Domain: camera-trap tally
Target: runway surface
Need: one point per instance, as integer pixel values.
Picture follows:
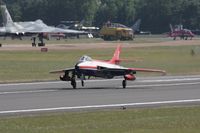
(58, 96)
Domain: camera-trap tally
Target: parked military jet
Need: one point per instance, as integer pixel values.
(29, 27)
(76, 25)
(178, 31)
(136, 28)
(86, 66)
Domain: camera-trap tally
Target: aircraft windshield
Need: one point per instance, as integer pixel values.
(115, 25)
(85, 58)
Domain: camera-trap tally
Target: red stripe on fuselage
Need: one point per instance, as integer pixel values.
(88, 67)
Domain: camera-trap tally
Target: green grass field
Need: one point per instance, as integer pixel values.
(156, 120)
(35, 65)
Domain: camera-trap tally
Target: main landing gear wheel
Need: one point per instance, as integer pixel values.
(82, 83)
(124, 83)
(73, 83)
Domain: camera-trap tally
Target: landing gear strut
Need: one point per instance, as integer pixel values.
(82, 83)
(73, 83)
(82, 77)
(124, 83)
(41, 38)
(73, 80)
(33, 43)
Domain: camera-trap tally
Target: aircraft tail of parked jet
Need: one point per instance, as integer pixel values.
(171, 27)
(136, 26)
(7, 20)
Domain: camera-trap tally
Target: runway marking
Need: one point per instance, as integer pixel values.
(164, 85)
(170, 80)
(33, 83)
(54, 82)
(99, 106)
(184, 78)
(24, 92)
(130, 86)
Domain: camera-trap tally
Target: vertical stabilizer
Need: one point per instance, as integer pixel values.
(171, 28)
(7, 20)
(136, 26)
(115, 59)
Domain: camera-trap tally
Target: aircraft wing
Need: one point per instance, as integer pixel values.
(106, 69)
(39, 26)
(63, 70)
(36, 28)
(148, 70)
(129, 70)
(2, 29)
(51, 30)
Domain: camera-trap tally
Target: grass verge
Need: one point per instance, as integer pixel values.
(35, 65)
(157, 120)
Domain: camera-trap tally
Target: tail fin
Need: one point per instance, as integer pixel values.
(82, 22)
(6, 15)
(136, 26)
(171, 28)
(115, 59)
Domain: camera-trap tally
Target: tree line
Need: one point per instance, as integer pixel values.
(156, 15)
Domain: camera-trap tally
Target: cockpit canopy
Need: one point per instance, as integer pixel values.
(85, 58)
(115, 25)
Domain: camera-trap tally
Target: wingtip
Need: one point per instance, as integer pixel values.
(54, 72)
(164, 73)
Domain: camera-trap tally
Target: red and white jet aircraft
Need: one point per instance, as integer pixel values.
(86, 66)
(178, 31)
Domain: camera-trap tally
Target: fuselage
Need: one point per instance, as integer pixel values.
(93, 67)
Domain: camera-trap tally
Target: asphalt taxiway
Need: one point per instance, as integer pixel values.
(58, 96)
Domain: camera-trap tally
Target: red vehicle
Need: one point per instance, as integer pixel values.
(178, 31)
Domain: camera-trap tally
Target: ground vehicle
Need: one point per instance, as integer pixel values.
(116, 31)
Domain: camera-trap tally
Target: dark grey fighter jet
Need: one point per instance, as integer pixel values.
(37, 27)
